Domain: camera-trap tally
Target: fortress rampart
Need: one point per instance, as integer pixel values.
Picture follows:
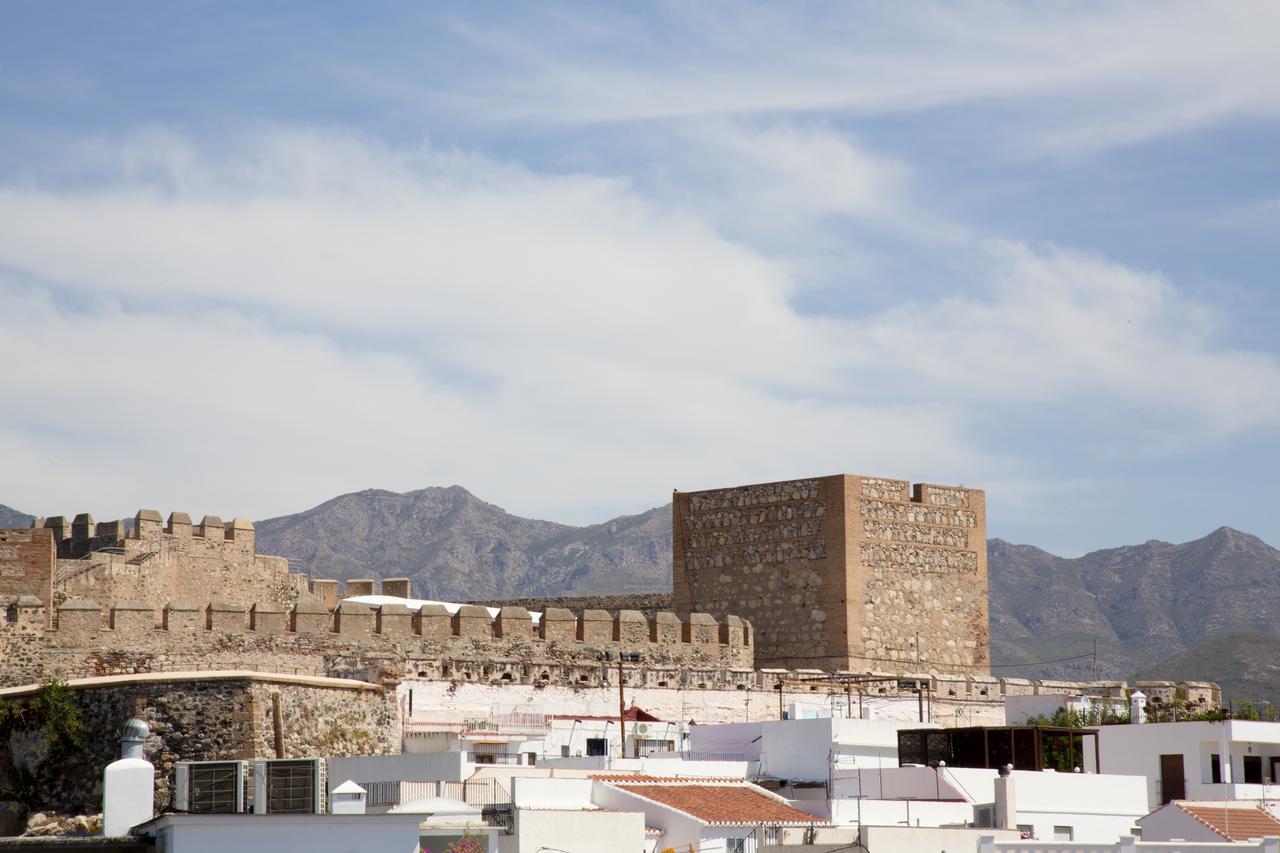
(84, 639)
(155, 561)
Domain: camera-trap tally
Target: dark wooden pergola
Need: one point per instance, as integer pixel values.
(992, 746)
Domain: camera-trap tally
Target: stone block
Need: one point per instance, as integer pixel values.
(474, 621)
(395, 620)
(631, 628)
(666, 629)
(327, 591)
(226, 617)
(182, 616)
(397, 587)
(701, 629)
(79, 617)
(595, 626)
(353, 619)
(132, 618)
(82, 526)
(359, 586)
(240, 531)
(147, 524)
(558, 624)
(733, 632)
(179, 525)
(433, 621)
(109, 529)
(268, 618)
(310, 618)
(212, 529)
(514, 622)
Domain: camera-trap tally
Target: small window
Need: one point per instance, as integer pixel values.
(597, 746)
(1215, 768)
(564, 750)
(735, 845)
(1063, 833)
(531, 758)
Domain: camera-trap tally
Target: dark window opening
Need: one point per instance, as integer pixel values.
(597, 746)
(1253, 769)
(1215, 768)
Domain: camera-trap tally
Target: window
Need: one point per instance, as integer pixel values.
(597, 746)
(1253, 769)
(735, 845)
(1063, 833)
(1215, 768)
(531, 758)
(564, 750)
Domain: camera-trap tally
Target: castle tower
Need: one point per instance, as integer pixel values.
(841, 573)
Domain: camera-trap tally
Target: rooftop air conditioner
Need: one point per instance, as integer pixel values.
(209, 787)
(642, 728)
(288, 786)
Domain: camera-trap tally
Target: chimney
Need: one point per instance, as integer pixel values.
(347, 798)
(1006, 805)
(1137, 703)
(128, 785)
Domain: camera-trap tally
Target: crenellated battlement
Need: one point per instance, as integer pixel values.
(82, 535)
(85, 620)
(86, 638)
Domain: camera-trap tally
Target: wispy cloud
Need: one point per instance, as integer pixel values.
(1079, 77)
(314, 312)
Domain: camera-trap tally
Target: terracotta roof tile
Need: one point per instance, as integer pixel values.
(1233, 823)
(718, 802)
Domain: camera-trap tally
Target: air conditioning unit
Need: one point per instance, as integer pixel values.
(209, 787)
(642, 728)
(288, 786)
(984, 816)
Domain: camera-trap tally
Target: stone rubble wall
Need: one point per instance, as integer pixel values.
(357, 640)
(157, 561)
(204, 718)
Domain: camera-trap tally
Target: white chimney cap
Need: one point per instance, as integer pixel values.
(349, 787)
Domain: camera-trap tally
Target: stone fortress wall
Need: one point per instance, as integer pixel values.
(81, 638)
(157, 561)
(841, 572)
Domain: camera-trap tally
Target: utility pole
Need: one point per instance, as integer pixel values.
(622, 709)
(780, 714)
(1095, 658)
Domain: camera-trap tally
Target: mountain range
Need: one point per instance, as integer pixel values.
(1203, 610)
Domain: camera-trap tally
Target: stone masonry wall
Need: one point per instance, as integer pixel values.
(26, 562)
(841, 572)
(157, 562)
(224, 716)
(356, 640)
(773, 552)
(919, 558)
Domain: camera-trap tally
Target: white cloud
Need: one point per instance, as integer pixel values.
(1081, 76)
(314, 314)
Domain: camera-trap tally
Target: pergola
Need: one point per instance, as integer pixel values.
(1025, 747)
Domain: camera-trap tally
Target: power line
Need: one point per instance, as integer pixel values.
(951, 665)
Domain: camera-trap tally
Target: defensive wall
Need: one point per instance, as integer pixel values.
(841, 572)
(196, 716)
(152, 560)
(82, 638)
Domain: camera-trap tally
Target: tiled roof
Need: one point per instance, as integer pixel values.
(644, 779)
(1233, 823)
(725, 802)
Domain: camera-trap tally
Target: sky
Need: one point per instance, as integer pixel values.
(572, 257)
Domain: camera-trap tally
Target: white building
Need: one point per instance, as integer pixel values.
(803, 750)
(1227, 760)
(1047, 805)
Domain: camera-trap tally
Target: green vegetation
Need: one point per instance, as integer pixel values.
(54, 712)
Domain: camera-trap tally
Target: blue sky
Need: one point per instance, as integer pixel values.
(575, 256)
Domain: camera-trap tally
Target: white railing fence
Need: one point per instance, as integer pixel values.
(1128, 844)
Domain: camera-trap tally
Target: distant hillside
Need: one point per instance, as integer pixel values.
(12, 518)
(1143, 603)
(1204, 609)
(1246, 666)
(456, 546)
